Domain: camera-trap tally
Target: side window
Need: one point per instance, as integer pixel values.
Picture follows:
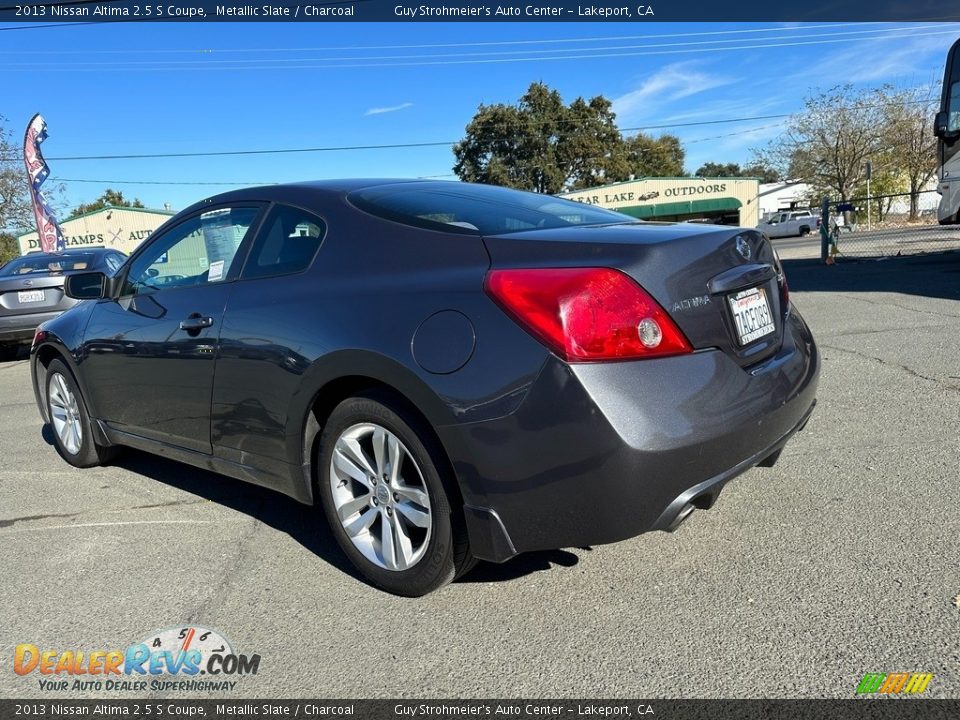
(198, 251)
(287, 243)
(953, 106)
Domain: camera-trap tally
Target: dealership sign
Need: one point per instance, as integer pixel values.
(95, 239)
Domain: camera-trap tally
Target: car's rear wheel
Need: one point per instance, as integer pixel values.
(382, 488)
(72, 430)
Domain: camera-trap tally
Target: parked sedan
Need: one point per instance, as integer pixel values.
(31, 290)
(451, 372)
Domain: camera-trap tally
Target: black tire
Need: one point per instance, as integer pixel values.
(446, 554)
(804, 231)
(88, 453)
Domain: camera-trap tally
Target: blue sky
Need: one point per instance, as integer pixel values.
(154, 88)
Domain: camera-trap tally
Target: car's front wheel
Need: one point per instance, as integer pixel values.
(72, 431)
(383, 493)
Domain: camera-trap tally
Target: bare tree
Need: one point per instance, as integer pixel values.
(908, 136)
(828, 142)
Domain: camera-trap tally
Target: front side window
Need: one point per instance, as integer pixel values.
(287, 244)
(198, 251)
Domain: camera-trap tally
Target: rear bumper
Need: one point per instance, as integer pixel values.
(17, 328)
(598, 453)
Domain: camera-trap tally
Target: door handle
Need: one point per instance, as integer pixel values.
(196, 322)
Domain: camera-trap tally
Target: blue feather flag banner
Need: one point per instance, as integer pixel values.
(49, 232)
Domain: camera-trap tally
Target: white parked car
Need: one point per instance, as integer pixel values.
(789, 223)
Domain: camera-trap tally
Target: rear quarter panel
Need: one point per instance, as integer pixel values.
(355, 313)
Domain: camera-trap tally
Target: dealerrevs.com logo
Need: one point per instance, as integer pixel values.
(186, 658)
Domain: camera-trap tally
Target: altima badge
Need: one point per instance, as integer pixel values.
(743, 247)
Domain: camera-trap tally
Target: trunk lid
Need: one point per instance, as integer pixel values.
(33, 293)
(692, 271)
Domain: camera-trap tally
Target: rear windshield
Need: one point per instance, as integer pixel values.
(46, 264)
(478, 209)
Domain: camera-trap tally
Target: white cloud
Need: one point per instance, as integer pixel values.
(878, 61)
(672, 82)
(392, 108)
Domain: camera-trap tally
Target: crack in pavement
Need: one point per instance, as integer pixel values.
(898, 305)
(226, 578)
(27, 518)
(853, 333)
(898, 366)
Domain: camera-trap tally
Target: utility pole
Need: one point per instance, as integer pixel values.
(869, 173)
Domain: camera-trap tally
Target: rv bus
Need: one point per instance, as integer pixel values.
(947, 129)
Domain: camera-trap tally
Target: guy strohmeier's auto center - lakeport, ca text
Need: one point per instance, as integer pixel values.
(528, 11)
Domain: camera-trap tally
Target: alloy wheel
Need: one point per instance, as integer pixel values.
(380, 496)
(65, 413)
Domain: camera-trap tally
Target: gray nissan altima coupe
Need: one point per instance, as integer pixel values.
(450, 372)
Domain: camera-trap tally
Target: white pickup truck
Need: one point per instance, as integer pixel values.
(789, 223)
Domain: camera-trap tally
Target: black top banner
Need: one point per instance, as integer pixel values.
(479, 11)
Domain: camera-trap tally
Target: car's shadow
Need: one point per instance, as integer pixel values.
(935, 275)
(301, 522)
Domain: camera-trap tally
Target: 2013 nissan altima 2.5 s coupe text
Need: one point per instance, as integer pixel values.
(450, 372)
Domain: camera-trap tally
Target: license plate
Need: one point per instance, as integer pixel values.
(751, 314)
(29, 296)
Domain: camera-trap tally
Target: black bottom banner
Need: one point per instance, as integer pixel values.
(894, 709)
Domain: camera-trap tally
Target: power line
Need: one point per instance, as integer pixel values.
(544, 41)
(51, 51)
(911, 30)
(31, 26)
(395, 146)
(350, 63)
(249, 183)
(163, 182)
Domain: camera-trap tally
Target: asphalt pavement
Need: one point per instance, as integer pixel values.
(841, 560)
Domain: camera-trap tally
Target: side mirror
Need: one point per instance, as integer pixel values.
(941, 128)
(85, 286)
(940, 123)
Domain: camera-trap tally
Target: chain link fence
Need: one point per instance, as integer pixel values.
(886, 226)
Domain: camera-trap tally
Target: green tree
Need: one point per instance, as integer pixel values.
(544, 145)
(712, 169)
(110, 198)
(646, 156)
(757, 169)
(9, 247)
(765, 173)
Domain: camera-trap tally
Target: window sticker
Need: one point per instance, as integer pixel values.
(216, 271)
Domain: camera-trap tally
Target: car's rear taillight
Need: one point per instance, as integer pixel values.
(39, 336)
(587, 314)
